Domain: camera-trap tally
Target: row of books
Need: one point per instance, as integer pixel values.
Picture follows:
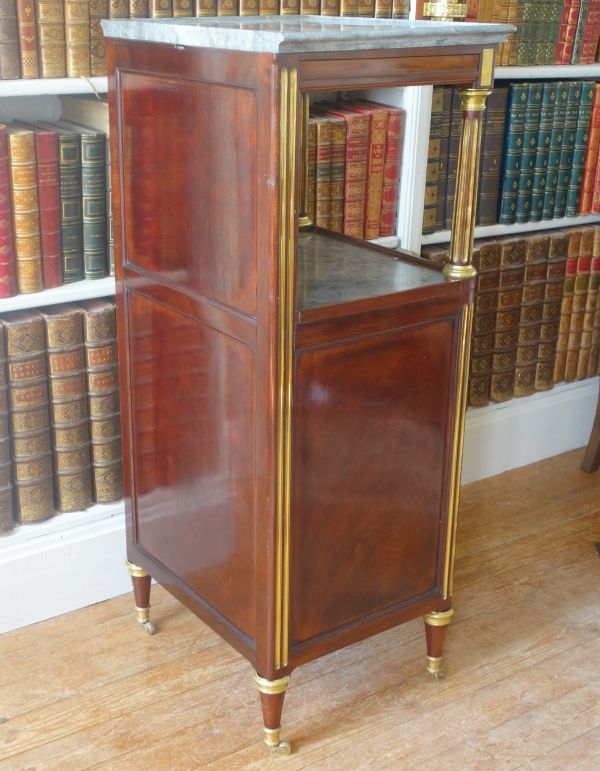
(55, 206)
(539, 154)
(60, 435)
(137, 9)
(537, 315)
(52, 38)
(354, 159)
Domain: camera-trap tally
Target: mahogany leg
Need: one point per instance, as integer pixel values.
(435, 632)
(591, 459)
(272, 694)
(141, 591)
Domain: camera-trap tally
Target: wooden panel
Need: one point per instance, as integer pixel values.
(190, 215)
(370, 434)
(192, 414)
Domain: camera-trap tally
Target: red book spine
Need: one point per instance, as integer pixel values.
(570, 32)
(8, 276)
(588, 49)
(591, 157)
(46, 151)
(595, 36)
(27, 39)
(562, 32)
(391, 172)
(472, 7)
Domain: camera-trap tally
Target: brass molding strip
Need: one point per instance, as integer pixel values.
(135, 571)
(271, 687)
(439, 618)
(457, 448)
(288, 119)
(487, 67)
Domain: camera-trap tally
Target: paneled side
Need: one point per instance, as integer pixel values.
(192, 413)
(189, 176)
(370, 434)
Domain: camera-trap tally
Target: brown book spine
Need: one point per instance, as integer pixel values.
(268, 7)
(248, 7)
(182, 8)
(383, 9)
(98, 11)
(311, 190)
(51, 38)
(77, 35)
(338, 175)
(48, 184)
(366, 9)
(118, 9)
(10, 57)
(433, 161)
(580, 291)
(25, 210)
(593, 360)
(290, 8)
(28, 405)
(139, 9)
(515, 16)
(400, 9)
(349, 7)
(455, 131)
(491, 157)
(323, 177)
(8, 275)
(444, 155)
(224, 7)
(591, 156)
(161, 9)
(567, 305)
(68, 390)
(103, 394)
(330, 7)
(110, 238)
(558, 246)
(6, 501)
(587, 334)
(310, 8)
(27, 39)
(209, 7)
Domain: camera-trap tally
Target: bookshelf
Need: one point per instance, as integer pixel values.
(549, 72)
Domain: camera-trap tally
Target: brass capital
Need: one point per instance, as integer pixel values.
(441, 618)
(474, 99)
(135, 570)
(271, 687)
(459, 271)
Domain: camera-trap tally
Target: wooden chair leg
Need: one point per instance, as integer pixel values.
(591, 459)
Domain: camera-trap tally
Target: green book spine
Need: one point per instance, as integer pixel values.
(527, 31)
(93, 184)
(556, 141)
(568, 148)
(530, 137)
(580, 31)
(543, 32)
(513, 148)
(581, 139)
(444, 154)
(433, 161)
(543, 148)
(555, 19)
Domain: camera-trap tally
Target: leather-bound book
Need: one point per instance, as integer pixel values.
(163, 9)
(383, 9)
(491, 156)
(542, 150)
(357, 133)
(378, 119)
(8, 275)
(48, 185)
(594, 357)
(433, 161)
(558, 245)
(118, 9)
(400, 9)
(28, 405)
(93, 191)
(6, 501)
(103, 393)
(580, 31)
(310, 7)
(323, 167)
(349, 7)
(591, 156)
(338, 174)
(311, 185)
(23, 175)
(268, 7)
(209, 7)
(330, 7)
(292, 7)
(27, 39)
(10, 57)
(527, 31)
(366, 9)
(556, 140)
(77, 37)
(531, 312)
(50, 19)
(98, 11)
(182, 8)
(579, 149)
(543, 30)
(587, 333)
(513, 148)
(394, 144)
(224, 7)
(68, 391)
(568, 148)
(588, 49)
(516, 12)
(570, 270)
(71, 216)
(555, 22)
(527, 163)
(580, 291)
(570, 31)
(486, 259)
(437, 253)
(561, 37)
(455, 132)
(139, 9)
(444, 155)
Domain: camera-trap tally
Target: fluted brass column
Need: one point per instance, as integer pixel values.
(467, 184)
(304, 220)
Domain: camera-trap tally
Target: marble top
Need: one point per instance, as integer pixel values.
(298, 34)
(332, 272)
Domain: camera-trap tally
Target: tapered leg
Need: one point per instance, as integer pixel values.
(435, 632)
(272, 694)
(141, 591)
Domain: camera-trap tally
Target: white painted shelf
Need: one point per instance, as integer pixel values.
(68, 293)
(52, 86)
(390, 242)
(559, 71)
(489, 231)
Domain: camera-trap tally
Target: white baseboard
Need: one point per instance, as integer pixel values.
(76, 560)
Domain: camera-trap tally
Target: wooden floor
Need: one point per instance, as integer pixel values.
(91, 690)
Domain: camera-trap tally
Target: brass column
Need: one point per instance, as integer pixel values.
(467, 183)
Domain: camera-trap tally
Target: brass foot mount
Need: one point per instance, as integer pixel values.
(143, 614)
(272, 688)
(435, 665)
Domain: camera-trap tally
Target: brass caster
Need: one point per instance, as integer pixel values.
(435, 667)
(272, 741)
(143, 616)
(148, 626)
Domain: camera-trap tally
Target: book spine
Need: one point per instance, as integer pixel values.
(292, 7)
(513, 146)
(68, 391)
(568, 148)
(6, 498)
(543, 30)
(580, 292)
(30, 428)
(391, 172)
(526, 33)
(51, 38)
(338, 175)
(594, 354)
(163, 9)
(110, 238)
(330, 7)
(571, 28)
(515, 16)
(357, 127)
(93, 188)
(268, 7)
(530, 315)
(591, 156)
(71, 217)
(491, 156)
(375, 167)
(323, 172)
(562, 31)
(555, 22)
(98, 11)
(586, 56)
(138, 9)
(310, 8)
(383, 9)
(400, 9)
(579, 148)
(486, 257)
(27, 39)
(549, 327)
(182, 8)
(455, 132)
(585, 351)
(349, 8)
(25, 212)
(433, 161)
(10, 58)
(556, 140)
(209, 8)
(8, 275)
(580, 31)
(224, 7)
(46, 149)
(570, 271)
(527, 163)
(311, 193)
(444, 156)
(77, 35)
(366, 9)
(118, 9)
